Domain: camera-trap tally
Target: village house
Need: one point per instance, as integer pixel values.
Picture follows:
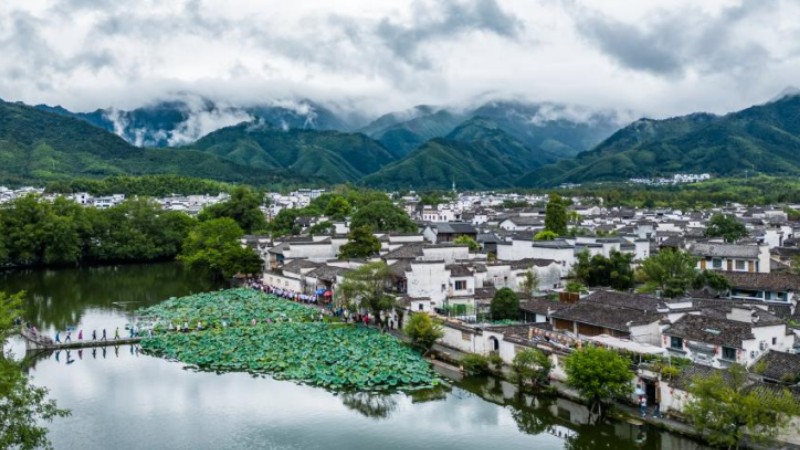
(731, 257)
(719, 338)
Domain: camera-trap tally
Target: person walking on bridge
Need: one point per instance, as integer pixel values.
(104, 335)
(80, 335)
(58, 337)
(69, 337)
(94, 335)
(116, 333)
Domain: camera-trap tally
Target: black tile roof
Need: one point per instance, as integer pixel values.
(605, 316)
(779, 366)
(776, 282)
(711, 330)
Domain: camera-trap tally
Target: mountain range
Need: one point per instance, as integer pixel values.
(498, 144)
(763, 138)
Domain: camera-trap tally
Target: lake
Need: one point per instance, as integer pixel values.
(123, 399)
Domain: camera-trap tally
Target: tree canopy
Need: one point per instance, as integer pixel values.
(472, 244)
(545, 235)
(423, 331)
(24, 408)
(215, 245)
(361, 244)
(671, 272)
(532, 366)
(505, 305)
(727, 407)
(243, 207)
(555, 215)
(39, 232)
(365, 286)
(599, 375)
(383, 216)
(725, 226)
(597, 270)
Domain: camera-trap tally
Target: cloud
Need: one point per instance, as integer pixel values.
(447, 19)
(673, 42)
(365, 58)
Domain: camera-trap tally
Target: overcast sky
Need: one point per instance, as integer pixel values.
(658, 58)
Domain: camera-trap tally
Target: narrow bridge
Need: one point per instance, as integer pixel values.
(35, 340)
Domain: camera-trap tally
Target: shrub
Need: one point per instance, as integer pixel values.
(475, 364)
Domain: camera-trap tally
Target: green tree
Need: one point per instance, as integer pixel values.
(711, 279)
(545, 235)
(599, 375)
(668, 271)
(530, 282)
(361, 244)
(383, 216)
(215, 245)
(244, 207)
(505, 305)
(531, 365)
(597, 270)
(24, 408)
(324, 227)
(575, 287)
(423, 331)
(555, 215)
(726, 408)
(338, 208)
(726, 226)
(284, 224)
(365, 286)
(468, 241)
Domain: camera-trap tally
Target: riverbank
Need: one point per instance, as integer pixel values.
(451, 357)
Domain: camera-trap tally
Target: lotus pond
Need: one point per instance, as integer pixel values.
(332, 355)
(237, 307)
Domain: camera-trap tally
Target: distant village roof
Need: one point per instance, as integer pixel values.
(328, 273)
(776, 282)
(454, 228)
(543, 306)
(724, 250)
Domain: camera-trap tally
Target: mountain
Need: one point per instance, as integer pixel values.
(562, 130)
(189, 117)
(762, 138)
(401, 132)
(476, 155)
(329, 156)
(40, 146)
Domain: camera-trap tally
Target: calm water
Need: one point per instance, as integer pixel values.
(121, 399)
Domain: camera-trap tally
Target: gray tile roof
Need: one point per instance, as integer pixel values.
(779, 366)
(711, 330)
(724, 250)
(777, 282)
(605, 316)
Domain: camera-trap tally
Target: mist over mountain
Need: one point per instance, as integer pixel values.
(38, 146)
(763, 138)
(187, 118)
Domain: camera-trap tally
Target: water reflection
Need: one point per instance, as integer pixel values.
(57, 299)
(570, 421)
(370, 404)
(115, 393)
